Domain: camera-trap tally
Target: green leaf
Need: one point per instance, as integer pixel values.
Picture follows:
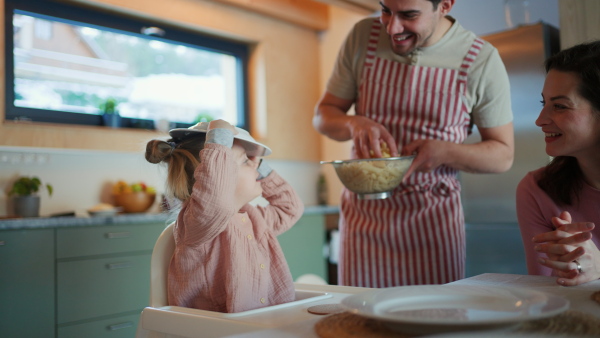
(26, 186)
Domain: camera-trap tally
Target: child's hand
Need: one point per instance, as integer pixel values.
(221, 124)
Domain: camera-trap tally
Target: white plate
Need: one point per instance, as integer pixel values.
(442, 308)
(105, 213)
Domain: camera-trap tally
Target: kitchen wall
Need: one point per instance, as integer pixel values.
(285, 70)
(83, 178)
(79, 176)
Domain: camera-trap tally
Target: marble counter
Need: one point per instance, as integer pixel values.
(62, 222)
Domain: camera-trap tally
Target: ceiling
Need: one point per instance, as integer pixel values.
(360, 5)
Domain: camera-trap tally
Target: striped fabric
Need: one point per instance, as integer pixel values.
(416, 236)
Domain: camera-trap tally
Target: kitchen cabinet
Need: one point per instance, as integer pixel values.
(73, 282)
(303, 246)
(27, 283)
(103, 278)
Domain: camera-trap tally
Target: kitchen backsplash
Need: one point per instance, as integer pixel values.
(83, 178)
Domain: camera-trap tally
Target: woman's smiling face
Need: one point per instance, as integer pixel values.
(570, 124)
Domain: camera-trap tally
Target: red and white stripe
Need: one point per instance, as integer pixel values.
(417, 235)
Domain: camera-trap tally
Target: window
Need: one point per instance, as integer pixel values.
(67, 64)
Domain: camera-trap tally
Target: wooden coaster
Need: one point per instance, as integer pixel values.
(325, 309)
(346, 324)
(596, 297)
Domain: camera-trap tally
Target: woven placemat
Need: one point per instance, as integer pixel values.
(596, 297)
(571, 322)
(346, 324)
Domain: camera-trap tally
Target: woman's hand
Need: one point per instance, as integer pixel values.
(570, 242)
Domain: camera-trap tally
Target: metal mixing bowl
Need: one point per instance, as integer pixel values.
(373, 178)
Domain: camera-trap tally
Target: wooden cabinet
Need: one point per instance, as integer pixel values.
(27, 283)
(90, 281)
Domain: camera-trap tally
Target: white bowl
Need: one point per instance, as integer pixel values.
(372, 178)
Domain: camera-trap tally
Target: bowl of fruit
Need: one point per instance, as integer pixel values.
(135, 197)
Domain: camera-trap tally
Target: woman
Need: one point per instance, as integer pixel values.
(558, 206)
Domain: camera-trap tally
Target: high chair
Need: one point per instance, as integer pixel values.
(159, 267)
(159, 320)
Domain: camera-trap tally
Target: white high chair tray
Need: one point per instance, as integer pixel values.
(174, 321)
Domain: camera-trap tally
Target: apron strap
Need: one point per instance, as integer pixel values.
(372, 43)
(463, 74)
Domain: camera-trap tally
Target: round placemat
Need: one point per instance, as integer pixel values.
(346, 324)
(570, 322)
(596, 297)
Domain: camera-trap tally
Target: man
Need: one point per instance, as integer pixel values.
(418, 82)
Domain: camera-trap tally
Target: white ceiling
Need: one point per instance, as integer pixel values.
(361, 5)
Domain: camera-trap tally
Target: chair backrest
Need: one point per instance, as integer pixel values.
(159, 267)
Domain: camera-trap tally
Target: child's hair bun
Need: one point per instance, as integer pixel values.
(158, 150)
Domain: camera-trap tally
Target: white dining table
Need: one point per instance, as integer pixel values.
(295, 321)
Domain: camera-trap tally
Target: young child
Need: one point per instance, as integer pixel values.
(227, 257)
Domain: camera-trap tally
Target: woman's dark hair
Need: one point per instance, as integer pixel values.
(182, 158)
(562, 178)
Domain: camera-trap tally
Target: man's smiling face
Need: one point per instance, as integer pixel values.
(411, 24)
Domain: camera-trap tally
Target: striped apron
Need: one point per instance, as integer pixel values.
(416, 236)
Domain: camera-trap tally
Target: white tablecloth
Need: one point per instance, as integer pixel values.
(579, 297)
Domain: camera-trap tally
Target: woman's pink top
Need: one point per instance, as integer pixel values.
(225, 260)
(535, 210)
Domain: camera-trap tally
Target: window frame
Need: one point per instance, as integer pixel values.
(123, 24)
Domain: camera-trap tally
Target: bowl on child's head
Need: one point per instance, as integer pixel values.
(132, 202)
(372, 178)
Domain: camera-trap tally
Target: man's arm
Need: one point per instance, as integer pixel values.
(494, 154)
(331, 120)
(330, 117)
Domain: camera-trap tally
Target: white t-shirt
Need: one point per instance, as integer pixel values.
(488, 88)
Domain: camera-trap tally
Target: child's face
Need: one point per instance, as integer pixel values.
(247, 188)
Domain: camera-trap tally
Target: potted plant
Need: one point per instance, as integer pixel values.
(26, 199)
(110, 115)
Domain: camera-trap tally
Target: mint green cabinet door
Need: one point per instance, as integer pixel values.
(303, 245)
(120, 327)
(104, 286)
(27, 283)
(103, 240)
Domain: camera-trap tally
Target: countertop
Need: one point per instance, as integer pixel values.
(71, 221)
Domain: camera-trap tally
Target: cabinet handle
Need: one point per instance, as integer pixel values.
(124, 234)
(114, 266)
(119, 326)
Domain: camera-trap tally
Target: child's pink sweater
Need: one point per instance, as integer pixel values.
(535, 210)
(225, 260)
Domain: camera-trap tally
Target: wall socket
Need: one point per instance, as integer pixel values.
(17, 158)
